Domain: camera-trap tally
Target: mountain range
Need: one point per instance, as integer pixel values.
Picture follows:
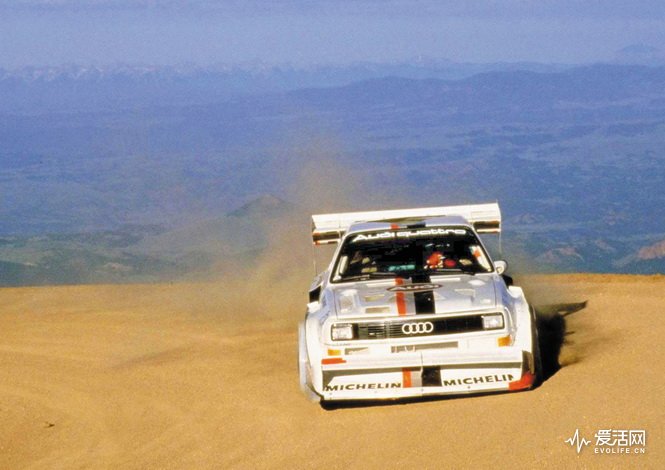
(574, 155)
(77, 88)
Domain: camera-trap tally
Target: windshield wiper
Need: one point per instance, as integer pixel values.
(453, 271)
(365, 276)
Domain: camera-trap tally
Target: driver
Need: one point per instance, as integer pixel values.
(435, 260)
(438, 260)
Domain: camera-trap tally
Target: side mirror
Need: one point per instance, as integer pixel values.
(500, 266)
(315, 288)
(315, 293)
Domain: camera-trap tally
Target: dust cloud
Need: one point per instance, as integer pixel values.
(273, 285)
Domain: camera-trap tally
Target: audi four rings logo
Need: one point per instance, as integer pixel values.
(417, 328)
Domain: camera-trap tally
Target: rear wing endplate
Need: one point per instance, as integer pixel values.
(330, 228)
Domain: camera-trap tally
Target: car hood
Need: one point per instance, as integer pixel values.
(443, 294)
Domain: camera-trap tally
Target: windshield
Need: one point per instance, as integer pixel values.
(410, 253)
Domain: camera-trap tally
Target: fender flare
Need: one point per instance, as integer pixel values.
(304, 365)
(524, 319)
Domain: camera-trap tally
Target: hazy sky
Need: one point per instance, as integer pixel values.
(50, 32)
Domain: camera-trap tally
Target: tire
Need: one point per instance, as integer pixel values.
(535, 351)
(329, 405)
(302, 358)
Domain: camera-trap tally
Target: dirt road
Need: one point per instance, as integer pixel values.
(182, 376)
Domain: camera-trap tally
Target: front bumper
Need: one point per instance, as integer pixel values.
(423, 373)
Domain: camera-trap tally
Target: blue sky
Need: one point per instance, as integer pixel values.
(302, 32)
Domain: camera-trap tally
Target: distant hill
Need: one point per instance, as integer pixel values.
(654, 251)
(640, 54)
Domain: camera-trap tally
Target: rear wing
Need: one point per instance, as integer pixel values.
(330, 228)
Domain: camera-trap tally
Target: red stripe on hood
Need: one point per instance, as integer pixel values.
(400, 299)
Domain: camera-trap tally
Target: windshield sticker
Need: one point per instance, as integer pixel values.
(409, 234)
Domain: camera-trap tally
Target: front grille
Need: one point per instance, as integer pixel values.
(417, 328)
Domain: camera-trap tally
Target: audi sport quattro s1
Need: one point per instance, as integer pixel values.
(413, 305)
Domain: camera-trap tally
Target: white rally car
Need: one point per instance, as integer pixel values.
(413, 305)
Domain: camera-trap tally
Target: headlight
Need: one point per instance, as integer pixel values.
(342, 331)
(493, 321)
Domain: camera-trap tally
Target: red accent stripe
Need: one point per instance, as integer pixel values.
(400, 299)
(406, 378)
(333, 360)
(525, 381)
(394, 226)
